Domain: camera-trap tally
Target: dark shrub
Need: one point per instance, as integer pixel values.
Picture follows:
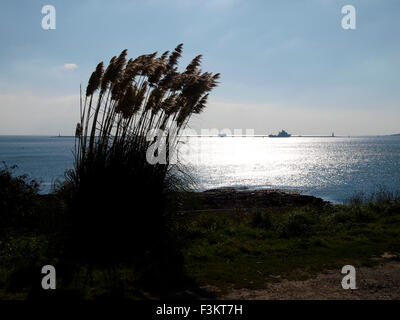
(391, 209)
(261, 220)
(18, 197)
(342, 216)
(297, 225)
(362, 214)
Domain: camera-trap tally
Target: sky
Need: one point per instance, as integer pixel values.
(285, 64)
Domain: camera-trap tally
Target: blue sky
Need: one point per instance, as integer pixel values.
(284, 64)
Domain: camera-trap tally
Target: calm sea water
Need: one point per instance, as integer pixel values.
(331, 168)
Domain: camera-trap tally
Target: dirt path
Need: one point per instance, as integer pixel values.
(381, 282)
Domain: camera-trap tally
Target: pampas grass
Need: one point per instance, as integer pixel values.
(117, 210)
(131, 98)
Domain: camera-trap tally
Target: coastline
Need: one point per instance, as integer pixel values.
(227, 198)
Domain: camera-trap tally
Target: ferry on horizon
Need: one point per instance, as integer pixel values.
(282, 134)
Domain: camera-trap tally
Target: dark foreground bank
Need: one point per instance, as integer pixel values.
(232, 244)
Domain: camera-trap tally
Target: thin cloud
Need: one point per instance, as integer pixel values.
(70, 66)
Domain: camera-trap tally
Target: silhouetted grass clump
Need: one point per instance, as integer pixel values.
(117, 197)
(296, 225)
(18, 200)
(261, 220)
(380, 195)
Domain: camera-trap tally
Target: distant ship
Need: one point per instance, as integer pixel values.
(282, 134)
(222, 135)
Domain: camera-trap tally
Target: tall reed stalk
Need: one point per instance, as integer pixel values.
(129, 98)
(118, 201)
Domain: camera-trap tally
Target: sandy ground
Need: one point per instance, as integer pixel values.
(381, 282)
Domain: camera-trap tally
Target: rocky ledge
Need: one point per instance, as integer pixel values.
(242, 198)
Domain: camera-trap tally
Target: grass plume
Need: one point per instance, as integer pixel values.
(117, 209)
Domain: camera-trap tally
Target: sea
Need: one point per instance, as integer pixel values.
(333, 168)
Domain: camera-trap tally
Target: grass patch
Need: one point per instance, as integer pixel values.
(247, 252)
